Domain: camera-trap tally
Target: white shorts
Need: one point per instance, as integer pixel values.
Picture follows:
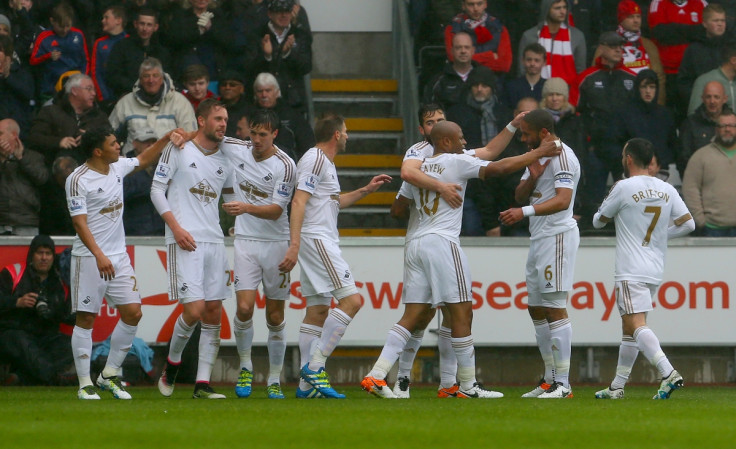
(88, 288)
(200, 274)
(634, 297)
(550, 265)
(435, 272)
(258, 261)
(323, 270)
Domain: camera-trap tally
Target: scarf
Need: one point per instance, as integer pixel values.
(482, 34)
(635, 57)
(488, 129)
(560, 62)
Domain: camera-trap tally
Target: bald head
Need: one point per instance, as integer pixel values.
(447, 137)
(714, 97)
(10, 126)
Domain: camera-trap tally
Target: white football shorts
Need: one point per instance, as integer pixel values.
(88, 288)
(258, 261)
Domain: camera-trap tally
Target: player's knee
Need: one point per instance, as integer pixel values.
(274, 317)
(244, 312)
(132, 317)
(85, 320)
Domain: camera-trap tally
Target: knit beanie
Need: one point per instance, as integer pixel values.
(555, 86)
(627, 8)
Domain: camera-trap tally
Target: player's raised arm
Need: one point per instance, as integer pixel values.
(498, 144)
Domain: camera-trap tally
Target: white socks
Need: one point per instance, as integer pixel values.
(561, 338)
(395, 342)
(209, 345)
(448, 360)
(649, 346)
(276, 350)
(82, 351)
(179, 339)
(465, 353)
(542, 334)
(121, 341)
(627, 353)
(406, 359)
(308, 335)
(332, 331)
(243, 332)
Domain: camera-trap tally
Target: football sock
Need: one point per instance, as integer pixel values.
(561, 338)
(448, 360)
(406, 359)
(627, 353)
(209, 345)
(82, 351)
(544, 343)
(649, 346)
(465, 353)
(276, 350)
(332, 331)
(121, 341)
(308, 334)
(243, 331)
(179, 339)
(395, 342)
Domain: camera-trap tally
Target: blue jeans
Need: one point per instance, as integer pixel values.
(721, 232)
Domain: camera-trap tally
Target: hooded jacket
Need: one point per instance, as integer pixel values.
(172, 110)
(18, 279)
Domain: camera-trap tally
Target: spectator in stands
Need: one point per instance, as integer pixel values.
(58, 127)
(700, 127)
(55, 218)
(710, 181)
(643, 117)
(531, 82)
(196, 79)
(16, 88)
(197, 33)
(295, 136)
(154, 103)
(704, 54)
(568, 125)
(565, 44)
(242, 130)
(639, 52)
(33, 304)
(450, 87)
(490, 38)
(139, 215)
(25, 28)
(126, 57)
(725, 74)
(673, 25)
(22, 172)
(113, 27)
(601, 90)
(481, 116)
(285, 50)
(232, 95)
(59, 50)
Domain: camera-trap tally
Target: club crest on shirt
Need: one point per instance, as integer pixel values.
(268, 177)
(113, 210)
(251, 191)
(220, 171)
(204, 192)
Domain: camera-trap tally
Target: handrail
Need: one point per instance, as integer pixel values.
(405, 72)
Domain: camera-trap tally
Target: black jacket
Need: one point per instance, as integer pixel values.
(126, 58)
(448, 88)
(700, 57)
(696, 131)
(20, 181)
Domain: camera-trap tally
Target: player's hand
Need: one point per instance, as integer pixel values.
(68, 143)
(266, 46)
(448, 192)
(107, 271)
(184, 239)
(536, 169)
(180, 136)
(377, 182)
(550, 146)
(516, 122)
(290, 259)
(235, 208)
(26, 301)
(511, 216)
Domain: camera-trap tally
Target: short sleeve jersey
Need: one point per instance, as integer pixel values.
(270, 181)
(642, 207)
(195, 182)
(317, 176)
(100, 197)
(435, 215)
(563, 171)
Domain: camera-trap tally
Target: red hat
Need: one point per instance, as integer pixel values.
(627, 8)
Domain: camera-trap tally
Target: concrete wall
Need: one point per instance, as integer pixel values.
(352, 55)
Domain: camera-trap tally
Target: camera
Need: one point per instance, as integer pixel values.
(42, 306)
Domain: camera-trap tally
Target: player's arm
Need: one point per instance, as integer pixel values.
(559, 202)
(298, 206)
(107, 271)
(158, 197)
(411, 172)
(151, 154)
(681, 226)
(350, 198)
(512, 164)
(270, 212)
(400, 207)
(499, 143)
(600, 220)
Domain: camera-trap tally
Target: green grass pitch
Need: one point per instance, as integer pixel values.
(695, 417)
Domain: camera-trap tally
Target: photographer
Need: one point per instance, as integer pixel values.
(32, 305)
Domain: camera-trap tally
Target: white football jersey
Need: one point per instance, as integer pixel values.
(100, 197)
(316, 175)
(563, 171)
(419, 151)
(195, 182)
(270, 181)
(642, 207)
(435, 215)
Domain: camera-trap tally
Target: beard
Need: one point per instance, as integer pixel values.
(725, 142)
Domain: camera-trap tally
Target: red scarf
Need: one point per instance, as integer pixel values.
(560, 61)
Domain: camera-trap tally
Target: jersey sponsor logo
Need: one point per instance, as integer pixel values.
(113, 210)
(284, 190)
(162, 171)
(204, 192)
(76, 204)
(311, 181)
(251, 191)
